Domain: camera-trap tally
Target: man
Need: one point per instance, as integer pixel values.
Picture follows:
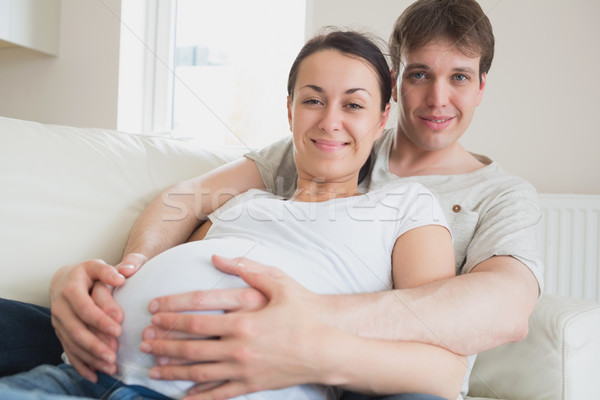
(441, 54)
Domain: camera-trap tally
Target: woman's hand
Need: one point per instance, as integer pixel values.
(265, 340)
(88, 325)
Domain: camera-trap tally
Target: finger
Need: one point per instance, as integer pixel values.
(266, 279)
(228, 390)
(82, 368)
(85, 311)
(190, 350)
(199, 372)
(155, 333)
(218, 299)
(234, 266)
(204, 387)
(84, 362)
(196, 324)
(110, 341)
(99, 270)
(77, 337)
(102, 295)
(131, 263)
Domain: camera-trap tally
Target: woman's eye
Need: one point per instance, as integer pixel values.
(418, 75)
(312, 101)
(354, 106)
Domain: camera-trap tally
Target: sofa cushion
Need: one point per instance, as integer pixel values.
(72, 194)
(559, 359)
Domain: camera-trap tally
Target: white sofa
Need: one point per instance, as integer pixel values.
(71, 194)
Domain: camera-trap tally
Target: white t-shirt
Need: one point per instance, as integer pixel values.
(490, 212)
(332, 247)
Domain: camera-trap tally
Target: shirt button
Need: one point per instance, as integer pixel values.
(456, 208)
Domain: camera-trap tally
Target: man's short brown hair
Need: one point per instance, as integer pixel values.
(463, 22)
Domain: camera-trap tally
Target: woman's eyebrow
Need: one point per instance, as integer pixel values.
(319, 89)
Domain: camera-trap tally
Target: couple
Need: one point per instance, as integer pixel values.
(441, 53)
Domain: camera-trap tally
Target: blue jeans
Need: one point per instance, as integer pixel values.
(50, 382)
(27, 338)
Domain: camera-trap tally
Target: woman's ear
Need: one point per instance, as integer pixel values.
(384, 116)
(394, 86)
(383, 120)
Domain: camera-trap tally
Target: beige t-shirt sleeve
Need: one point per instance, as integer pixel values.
(277, 168)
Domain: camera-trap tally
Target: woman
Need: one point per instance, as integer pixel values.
(339, 88)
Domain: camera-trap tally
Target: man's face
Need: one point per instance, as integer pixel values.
(439, 89)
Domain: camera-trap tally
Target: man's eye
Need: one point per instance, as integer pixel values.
(460, 77)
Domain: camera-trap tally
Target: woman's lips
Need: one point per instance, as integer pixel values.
(329, 145)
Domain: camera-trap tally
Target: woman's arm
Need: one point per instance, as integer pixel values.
(167, 221)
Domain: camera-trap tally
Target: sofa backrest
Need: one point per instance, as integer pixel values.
(72, 194)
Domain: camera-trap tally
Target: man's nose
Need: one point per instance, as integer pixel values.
(437, 95)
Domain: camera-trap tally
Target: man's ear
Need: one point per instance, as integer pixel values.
(482, 83)
(289, 109)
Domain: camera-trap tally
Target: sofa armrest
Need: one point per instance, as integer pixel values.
(559, 359)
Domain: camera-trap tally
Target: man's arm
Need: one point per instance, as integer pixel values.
(168, 220)
(466, 314)
(171, 218)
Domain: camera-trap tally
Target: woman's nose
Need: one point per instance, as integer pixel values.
(331, 120)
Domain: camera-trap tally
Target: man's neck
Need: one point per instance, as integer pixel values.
(406, 159)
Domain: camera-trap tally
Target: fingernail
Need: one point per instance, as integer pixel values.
(127, 266)
(162, 360)
(145, 347)
(153, 306)
(113, 331)
(148, 334)
(107, 357)
(154, 374)
(116, 274)
(156, 320)
(107, 369)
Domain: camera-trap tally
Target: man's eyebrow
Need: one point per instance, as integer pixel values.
(319, 89)
(427, 68)
(417, 66)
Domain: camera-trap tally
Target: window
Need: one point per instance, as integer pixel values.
(220, 69)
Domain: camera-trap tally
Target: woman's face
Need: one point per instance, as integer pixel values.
(335, 116)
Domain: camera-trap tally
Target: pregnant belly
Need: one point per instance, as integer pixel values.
(181, 269)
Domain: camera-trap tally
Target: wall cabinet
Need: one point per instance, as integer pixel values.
(34, 24)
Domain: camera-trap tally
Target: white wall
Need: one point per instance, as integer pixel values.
(538, 117)
(79, 86)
